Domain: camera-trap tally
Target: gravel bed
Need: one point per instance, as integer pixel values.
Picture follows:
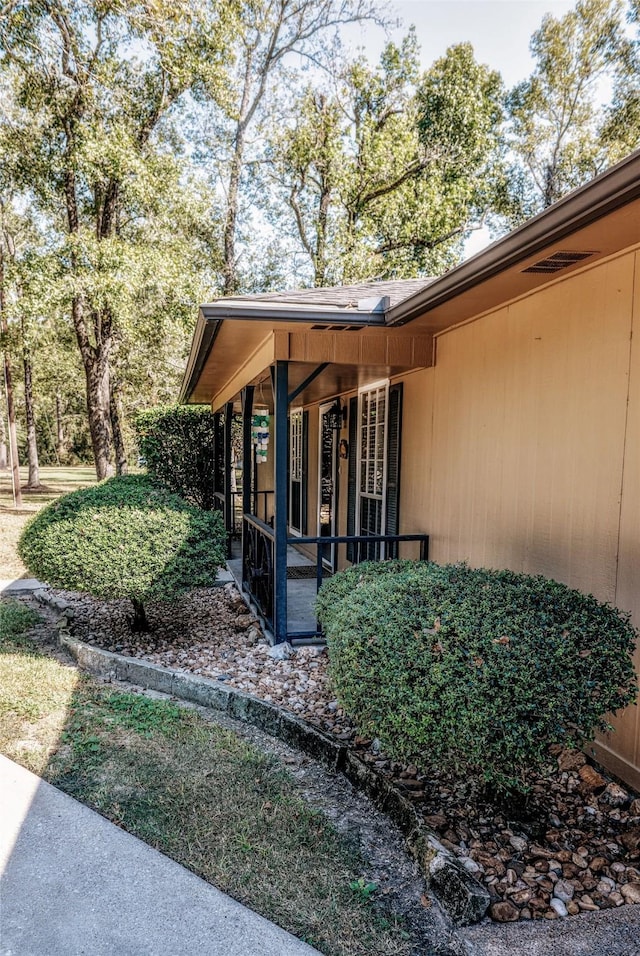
(574, 848)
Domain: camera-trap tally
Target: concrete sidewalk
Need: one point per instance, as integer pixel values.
(10, 586)
(73, 884)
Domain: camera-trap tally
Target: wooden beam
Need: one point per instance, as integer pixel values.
(370, 347)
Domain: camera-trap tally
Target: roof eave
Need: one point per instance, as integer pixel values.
(203, 338)
(294, 313)
(609, 191)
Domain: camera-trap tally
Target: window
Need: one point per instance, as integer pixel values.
(372, 463)
(297, 469)
(375, 425)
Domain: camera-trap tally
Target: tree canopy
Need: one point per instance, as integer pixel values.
(155, 154)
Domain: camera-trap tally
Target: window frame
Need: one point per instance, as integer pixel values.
(367, 390)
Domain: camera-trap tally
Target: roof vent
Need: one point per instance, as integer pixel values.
(559, 260)
(336, 328)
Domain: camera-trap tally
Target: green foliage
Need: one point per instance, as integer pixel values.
(386, 175)
(178, 443)
(555, 116)
(473, 671)
(363, 889)
(125, 537)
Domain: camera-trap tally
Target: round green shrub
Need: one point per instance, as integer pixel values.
(178, 444)
(125, 537)
(471, 671)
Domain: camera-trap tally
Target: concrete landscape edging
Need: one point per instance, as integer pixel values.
(461, 895)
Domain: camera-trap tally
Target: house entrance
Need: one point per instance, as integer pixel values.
(328, 484)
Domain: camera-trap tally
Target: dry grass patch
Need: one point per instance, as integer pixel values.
(55, 482)
(198, 793)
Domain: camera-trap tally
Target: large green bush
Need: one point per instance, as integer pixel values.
(474, 672)
(178, 444)
(126, 537)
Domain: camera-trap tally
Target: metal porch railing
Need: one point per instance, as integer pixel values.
(258, 564)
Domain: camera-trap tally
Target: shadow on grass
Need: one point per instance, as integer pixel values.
(193, 790)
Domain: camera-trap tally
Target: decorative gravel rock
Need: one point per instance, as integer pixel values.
(578, 848)
(564, 890)
(504, 912)
(558, 906)
(631, 892)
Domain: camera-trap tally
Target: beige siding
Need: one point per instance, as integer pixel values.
(519, 449)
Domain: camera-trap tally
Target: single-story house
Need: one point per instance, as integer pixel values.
(491, 415)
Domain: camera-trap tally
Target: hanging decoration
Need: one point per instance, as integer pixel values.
(260, 433)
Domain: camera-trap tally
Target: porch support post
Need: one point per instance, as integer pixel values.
(228, 500)
(280, 394)
(247, 454)
(218, 453)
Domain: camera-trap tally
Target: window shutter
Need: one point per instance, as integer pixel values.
(394, 436)
(352, 482)
(305, 470)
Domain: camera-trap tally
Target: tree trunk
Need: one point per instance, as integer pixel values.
(139, 622)
(60, 439)
(95, 359)
(3, 444)
(8, 384)
(229, 269)
(122, 466)
(33, 481)
(97, 376)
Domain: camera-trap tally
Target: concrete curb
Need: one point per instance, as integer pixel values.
(463, 898)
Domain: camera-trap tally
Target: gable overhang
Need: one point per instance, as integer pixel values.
(600, 218)
(254, 321)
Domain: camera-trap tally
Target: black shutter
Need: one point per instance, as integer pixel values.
(394, 436)
(352, 482)
(305, 469)
(288, 472)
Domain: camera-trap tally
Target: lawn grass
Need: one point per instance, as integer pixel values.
(192, 789)
(56, 482)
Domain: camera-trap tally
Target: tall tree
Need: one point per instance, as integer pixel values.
(394, 168)
(555, 114)
(8, 381)
(96, 82)
(269, 33)
(19, 240)
(621, 128)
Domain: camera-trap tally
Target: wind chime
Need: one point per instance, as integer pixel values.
(260, 434)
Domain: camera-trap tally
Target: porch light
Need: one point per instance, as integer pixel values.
(336, 417)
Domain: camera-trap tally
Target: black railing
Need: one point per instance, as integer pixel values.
(258, 541)
(258, 561)
(262, 508)
(361, 547)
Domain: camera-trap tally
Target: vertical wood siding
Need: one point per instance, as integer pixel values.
(522, 445)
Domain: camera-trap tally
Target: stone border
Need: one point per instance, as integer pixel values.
(463, 898)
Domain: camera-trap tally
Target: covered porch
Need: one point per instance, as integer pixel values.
(307, 463)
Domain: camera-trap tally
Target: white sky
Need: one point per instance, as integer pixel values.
(499, 30)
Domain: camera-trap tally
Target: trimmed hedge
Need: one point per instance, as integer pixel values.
(472, 671)
(178, 444)
(125, 537)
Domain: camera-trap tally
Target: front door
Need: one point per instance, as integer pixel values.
(328, 484)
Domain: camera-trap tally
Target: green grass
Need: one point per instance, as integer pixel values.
(197, 792)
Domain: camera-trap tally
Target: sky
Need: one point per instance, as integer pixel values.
(499, 30)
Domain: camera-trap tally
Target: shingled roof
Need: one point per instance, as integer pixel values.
(345, 296)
